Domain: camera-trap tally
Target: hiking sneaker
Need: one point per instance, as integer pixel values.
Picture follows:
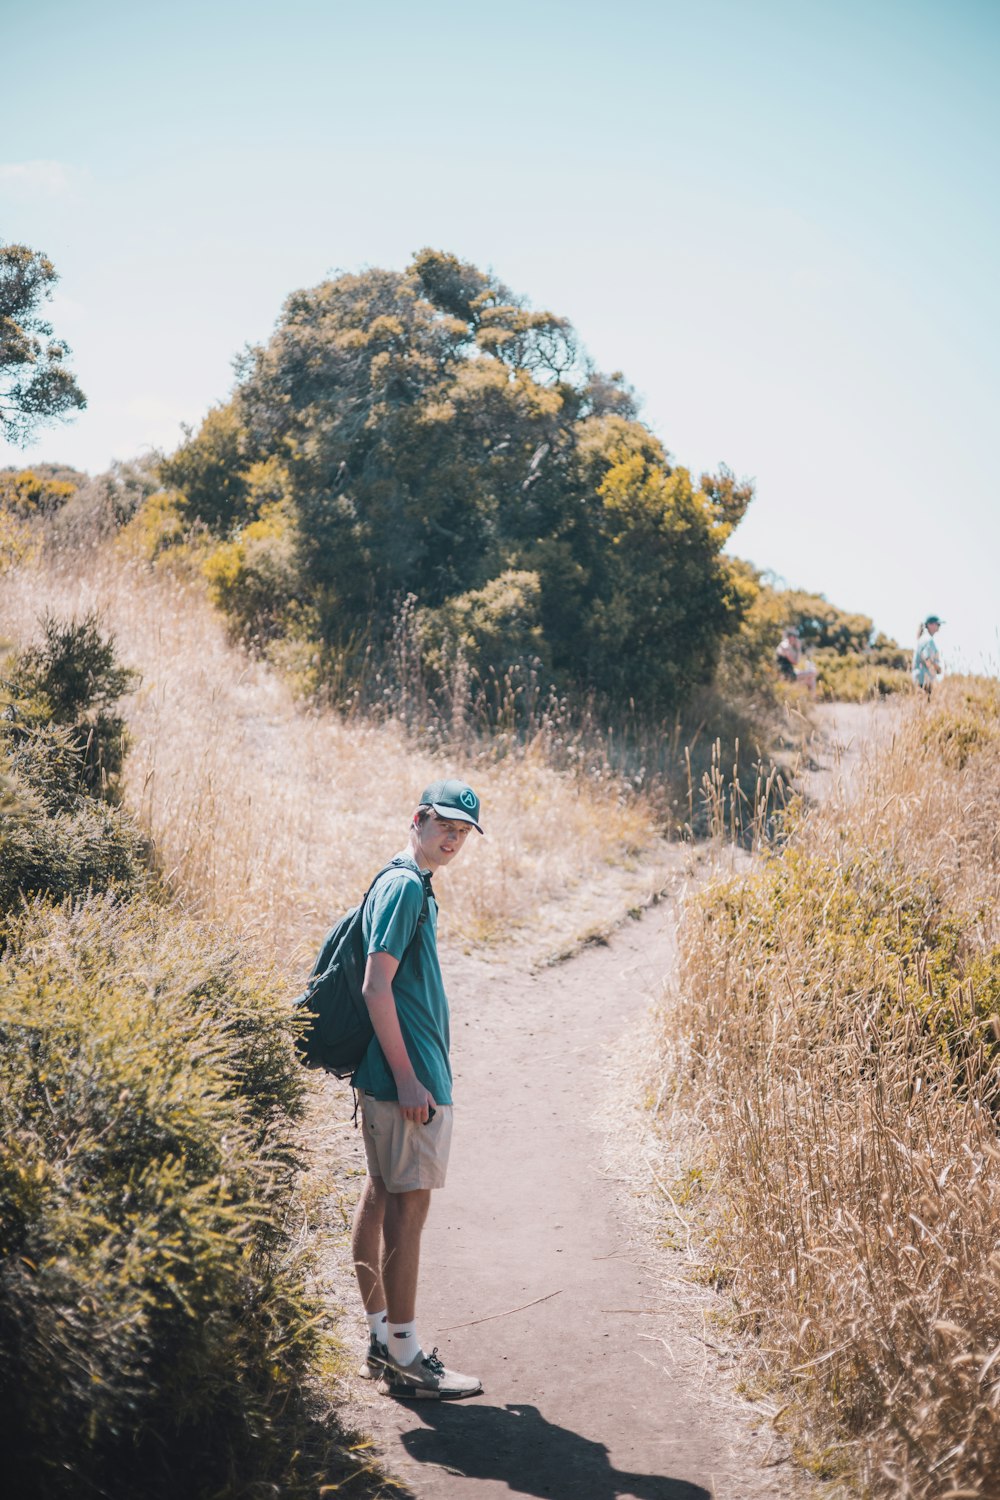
(374, 1363)
(426, 1378)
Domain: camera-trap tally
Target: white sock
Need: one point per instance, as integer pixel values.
(404, 1346)
(376, 1324)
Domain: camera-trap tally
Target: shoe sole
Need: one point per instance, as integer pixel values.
(407, 1390)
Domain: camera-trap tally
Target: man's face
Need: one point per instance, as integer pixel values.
(440, 839)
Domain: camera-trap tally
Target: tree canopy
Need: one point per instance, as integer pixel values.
(35, 385)
(425, 434)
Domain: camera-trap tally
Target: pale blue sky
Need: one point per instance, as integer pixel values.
(779, 219)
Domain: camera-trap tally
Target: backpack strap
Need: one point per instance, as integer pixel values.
(427, 891)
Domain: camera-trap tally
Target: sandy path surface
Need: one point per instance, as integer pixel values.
(580, 1397)
(603, 1376)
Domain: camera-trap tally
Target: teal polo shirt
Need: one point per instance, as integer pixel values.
(391, 916)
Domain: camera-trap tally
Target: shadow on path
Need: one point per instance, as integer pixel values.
(518, 1447)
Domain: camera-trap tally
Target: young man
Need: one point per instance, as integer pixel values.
(404, 1083)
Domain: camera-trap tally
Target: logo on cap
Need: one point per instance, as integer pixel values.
(468, 799)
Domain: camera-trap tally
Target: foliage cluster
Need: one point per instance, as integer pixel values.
(854, 661)
(58, 507)
(102, 504)
(155, 1334)
(18, 543)
(857, 676)
(54, 838)
(32, 492)
(152, 1328)
(66, 688)
(837, 1028)
(425, 434)
(62, 743)
(35, 384)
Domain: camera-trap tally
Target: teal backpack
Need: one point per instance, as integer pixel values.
(335, 1025)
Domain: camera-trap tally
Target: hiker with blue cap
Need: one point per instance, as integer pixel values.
(927, 658)
(404, 1089)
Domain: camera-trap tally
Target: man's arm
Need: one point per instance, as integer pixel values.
(414, 1099)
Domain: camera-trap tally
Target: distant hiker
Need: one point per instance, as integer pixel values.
(404, 1088)
(792, 665)
(927, 657)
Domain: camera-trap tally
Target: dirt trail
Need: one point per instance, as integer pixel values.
(601, 1378)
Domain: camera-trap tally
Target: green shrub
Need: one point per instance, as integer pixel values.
(253, 576)
(153, 1326)
(158, 526)
(492, 628)
(968, 722)
(857, 923)
(55, 841)
(72, 678)
(28, 493)
(209, 470)
(155, 1336)
(858, 676)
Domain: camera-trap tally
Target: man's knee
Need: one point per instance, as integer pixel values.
(374, 1194)
(408, 1210)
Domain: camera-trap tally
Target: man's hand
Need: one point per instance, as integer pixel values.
(415, 1102)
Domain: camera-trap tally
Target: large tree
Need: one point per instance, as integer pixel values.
(35, 385)
(438, 438)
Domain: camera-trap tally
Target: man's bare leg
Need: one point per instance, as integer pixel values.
(403, 1219)
(386, 1246)
(366, 1243)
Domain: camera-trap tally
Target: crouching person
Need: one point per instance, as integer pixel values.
(404, 1084)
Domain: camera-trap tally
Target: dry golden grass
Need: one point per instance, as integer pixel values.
(273, 818)
(830, 1056)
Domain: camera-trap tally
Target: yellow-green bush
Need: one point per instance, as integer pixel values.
(253, 577)
(155, 1336)
(853, 921)
(57, 844)
(26, 493)
(967, 721)
(69, 682)
(17, 540)
(860, 675)
(159, 524)
(152, 1323)
(490, 627)
(61, 748)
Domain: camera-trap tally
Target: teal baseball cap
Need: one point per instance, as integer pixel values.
(453, 799)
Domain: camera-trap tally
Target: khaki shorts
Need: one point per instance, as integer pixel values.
(405, 1155)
